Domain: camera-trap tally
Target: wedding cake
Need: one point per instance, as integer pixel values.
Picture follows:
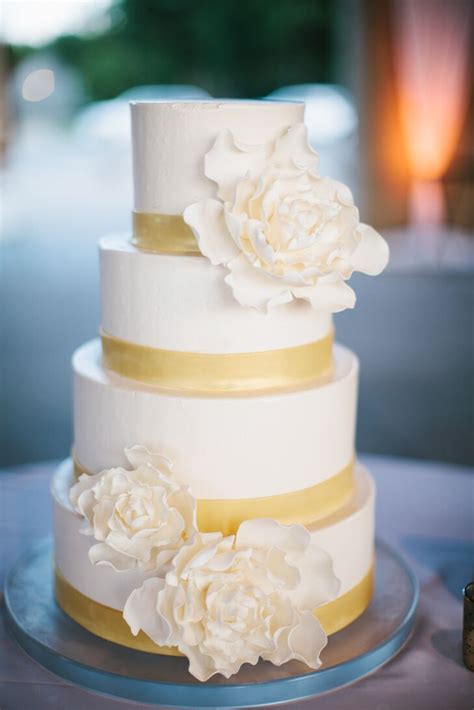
(213, 506)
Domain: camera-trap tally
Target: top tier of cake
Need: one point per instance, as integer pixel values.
(170, 139)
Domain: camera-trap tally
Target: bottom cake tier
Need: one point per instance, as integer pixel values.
(94, 595)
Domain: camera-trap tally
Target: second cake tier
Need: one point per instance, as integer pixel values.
(171, 321)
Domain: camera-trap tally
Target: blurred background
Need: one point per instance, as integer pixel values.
(388, 87)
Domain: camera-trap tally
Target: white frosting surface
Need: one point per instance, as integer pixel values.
(348, 536)
(170, 140)
(223, 447)
(183, 303)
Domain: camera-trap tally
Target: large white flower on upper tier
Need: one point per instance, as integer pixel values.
(281, 230)
(140, 517)
(231, 600)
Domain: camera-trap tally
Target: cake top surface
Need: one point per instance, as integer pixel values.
(192, 105)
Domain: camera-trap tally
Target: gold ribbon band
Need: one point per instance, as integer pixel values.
(102, 620)
(224, 373)
(304, 506)
(109, 623)
(164, 233)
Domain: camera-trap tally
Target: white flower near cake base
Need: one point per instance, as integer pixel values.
(139, 517)
(231, 600)
(281, 230)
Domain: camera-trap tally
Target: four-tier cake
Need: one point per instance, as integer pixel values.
(213, 506)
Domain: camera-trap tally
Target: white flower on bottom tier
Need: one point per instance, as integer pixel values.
(140, 517)
(281, 230)
(232, 600)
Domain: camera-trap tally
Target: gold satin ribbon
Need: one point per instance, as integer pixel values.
(341, 612)
(163, 233)
(224, 373)
(305, 506)
(109, 623)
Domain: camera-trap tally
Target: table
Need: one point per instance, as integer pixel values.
(424, 509)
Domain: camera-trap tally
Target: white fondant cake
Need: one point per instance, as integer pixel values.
(214, 507)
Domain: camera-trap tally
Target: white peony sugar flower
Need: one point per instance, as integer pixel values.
(226, 601)
(140, 517)
(281, 230)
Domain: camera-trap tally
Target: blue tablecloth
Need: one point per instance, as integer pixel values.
(424, 509)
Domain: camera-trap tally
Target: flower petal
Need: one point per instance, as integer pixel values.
(228, 161)
(201, 666)
(327, 296)
(293, 149)
(103, 554)
(265, 533)
(253, 287)
(343, 193)
(81, 495)
(318, 583)
(258, 240)
(307, 640)
(372, 252)
(236, 225)
(140, 611)
(139, 455)
(206, 219)
(184, 501)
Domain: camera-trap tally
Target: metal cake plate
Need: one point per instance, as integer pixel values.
(65, 648)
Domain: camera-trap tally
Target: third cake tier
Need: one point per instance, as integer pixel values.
(293, 450)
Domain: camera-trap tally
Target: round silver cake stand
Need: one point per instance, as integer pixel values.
(63, 647)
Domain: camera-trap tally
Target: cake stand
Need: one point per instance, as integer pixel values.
(65, 648)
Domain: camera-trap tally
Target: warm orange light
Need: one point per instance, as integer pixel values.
(427, 206)
(431, 55)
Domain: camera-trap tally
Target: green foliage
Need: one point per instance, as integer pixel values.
(229, 47)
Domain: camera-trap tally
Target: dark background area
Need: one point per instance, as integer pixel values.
(239, 49)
